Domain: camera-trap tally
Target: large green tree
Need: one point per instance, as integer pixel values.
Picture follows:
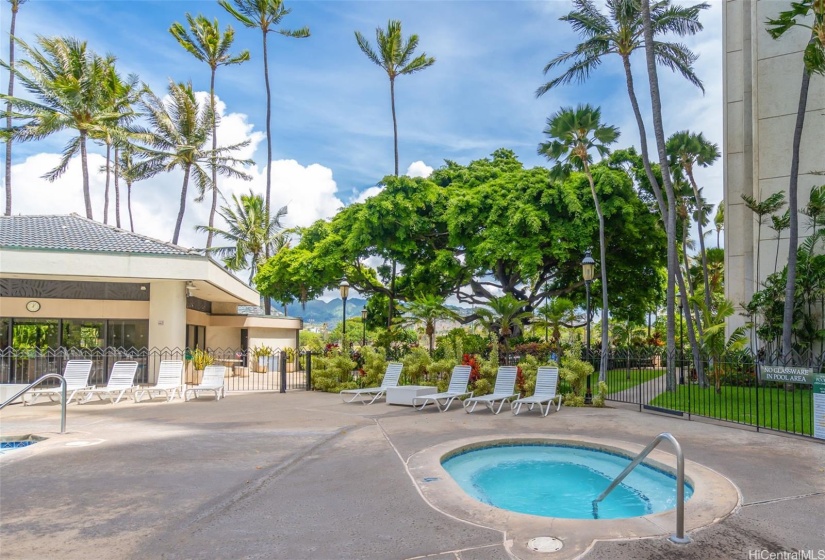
(475, 232)
(64, 78)
(573, 134)
(206, 43)
(806, 14)
(427, 309)
(265, 15)
(15, 7)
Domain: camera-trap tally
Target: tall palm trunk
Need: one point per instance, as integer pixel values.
(394, 124)
(129, 205)
(106, 189)
(658, 128)
(182, 204)
(268, 131)
(14, 7)
(117, 190)
(663, 210)
(214, 161)
(793, 230)
(603, 256)
(84, 162)
(689, 171)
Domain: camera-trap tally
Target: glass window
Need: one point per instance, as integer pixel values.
(195, 337)
(4, 333)
(128, 334)
(34, 333)
(79, 333)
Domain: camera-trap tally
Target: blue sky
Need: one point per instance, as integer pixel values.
(332, 127)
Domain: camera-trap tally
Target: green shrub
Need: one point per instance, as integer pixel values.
(375, 365)
(482, 387)
(416, 364)
(575, 372)
(332, 373)
(598, 398)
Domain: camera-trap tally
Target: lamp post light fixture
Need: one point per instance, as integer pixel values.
(344, 288)
(364, 324)
(588, 267)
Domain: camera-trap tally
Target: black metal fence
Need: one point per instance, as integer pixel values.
(725, 388)
(245, 371)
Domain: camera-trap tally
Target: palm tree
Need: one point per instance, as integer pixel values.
(252, 232)
(177, 138)
(131, 171)
(264, 15)
(719, 220)
(506, 315)
(64, 80)
(762, 209)
(622, 33)
(427, 309)
(119, 97)
(686, 150)
(813, 60)
(553, 315)
(714, 343)
(207, 44)
(15, 7)
(574, 133)
(779, 224)
(395, 57)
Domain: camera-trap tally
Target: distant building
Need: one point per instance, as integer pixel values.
(762, 77)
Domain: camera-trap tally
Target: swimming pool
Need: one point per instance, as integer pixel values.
(557, 480)
(8, 444)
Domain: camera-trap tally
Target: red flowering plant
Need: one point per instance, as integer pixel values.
(475, 371)
(521, 382)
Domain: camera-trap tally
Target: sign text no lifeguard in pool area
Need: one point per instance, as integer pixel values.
(786, 374)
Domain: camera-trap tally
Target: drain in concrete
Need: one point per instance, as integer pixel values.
(545, 544)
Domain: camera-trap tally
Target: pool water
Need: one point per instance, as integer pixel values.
(561, 481)
(8, 444)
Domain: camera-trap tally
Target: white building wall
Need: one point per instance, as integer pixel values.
(167, 314)
(762, 81)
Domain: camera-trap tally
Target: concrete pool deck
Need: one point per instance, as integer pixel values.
(303, 475)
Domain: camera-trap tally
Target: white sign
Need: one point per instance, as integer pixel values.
(819, 406)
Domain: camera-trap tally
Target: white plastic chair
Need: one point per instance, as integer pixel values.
(390, 380)
(502, 392)
(169, 382)
(76, 373)
(458, 388)
(212, 382)
(121, 380)
(547, 378)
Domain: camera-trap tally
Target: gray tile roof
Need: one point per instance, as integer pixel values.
(74, 233)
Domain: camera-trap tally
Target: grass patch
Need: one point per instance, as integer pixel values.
(617, 378)
(778, 409)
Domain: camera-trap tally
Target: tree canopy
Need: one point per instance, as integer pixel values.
(476, 232)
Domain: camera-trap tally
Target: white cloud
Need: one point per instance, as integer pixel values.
(368, 193)
(419, 169)
(309, 191)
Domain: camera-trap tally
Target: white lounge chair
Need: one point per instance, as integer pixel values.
(502, 392)
(121, 380)
(169, 382)
(76, 374)
(457, 388)
(212, 381)
(390, 380)
(547, 379)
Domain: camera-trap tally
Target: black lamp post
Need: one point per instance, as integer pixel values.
(364, 323)
(681, 349)
(588, 267)
(344, 288)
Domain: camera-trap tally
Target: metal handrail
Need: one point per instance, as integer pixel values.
(679, 537)
(62, 393)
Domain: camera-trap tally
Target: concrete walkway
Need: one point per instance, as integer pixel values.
(302, 475)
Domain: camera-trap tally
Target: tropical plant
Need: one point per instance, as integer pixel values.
(15, 7)
(207, 44)
(687, 150)
(505, 316)
(714, 342)
(779, 224)
(178, 132)
(623, 32)
(762, 209)
(64, 79)
(427, 309)
(719, 220)
(573, 134)
(813, 60)
(264, 15)
(201, 359)
(252, 232)
(131, 170)
(395, 57)
(554, 314)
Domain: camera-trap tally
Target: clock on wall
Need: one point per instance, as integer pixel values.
(33, 306)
